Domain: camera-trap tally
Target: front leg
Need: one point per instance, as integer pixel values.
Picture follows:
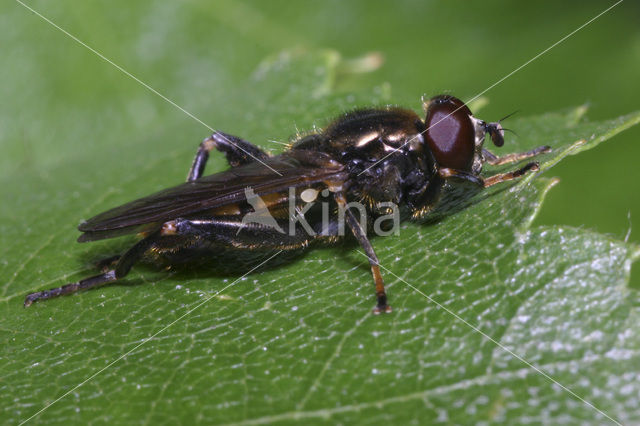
(237, 151)
(491, 180)
(494, 160)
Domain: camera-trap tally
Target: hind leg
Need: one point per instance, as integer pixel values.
(105, 264)
(122, 268)
(237, 151)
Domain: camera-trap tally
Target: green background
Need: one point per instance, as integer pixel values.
(77, 136)
(191, 51)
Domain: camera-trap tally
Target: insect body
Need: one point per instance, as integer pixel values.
(373, 160)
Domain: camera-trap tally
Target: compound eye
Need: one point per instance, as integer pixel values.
(450, 133)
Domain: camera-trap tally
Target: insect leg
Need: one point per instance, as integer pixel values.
(234, 233)
(237, 151)
(71, 288)
(504, 177)
(108, 263)
(491, 180)
(446, 172)
(361, 236)
(122, 268)
(494, 160)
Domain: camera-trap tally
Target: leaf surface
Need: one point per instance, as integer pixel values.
(299, 342)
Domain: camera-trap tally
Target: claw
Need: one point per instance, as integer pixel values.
(382, 310)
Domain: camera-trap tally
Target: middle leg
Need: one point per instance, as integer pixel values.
(361, 236)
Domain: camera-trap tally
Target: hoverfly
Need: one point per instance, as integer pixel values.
(384, 156)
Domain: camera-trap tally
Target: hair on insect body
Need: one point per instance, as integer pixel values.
(386, 164)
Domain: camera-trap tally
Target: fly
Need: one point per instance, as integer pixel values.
(387, 164)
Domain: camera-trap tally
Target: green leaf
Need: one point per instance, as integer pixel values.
(299, 342)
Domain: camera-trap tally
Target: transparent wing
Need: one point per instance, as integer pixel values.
(297, 168)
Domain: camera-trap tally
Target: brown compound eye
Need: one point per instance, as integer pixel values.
(450, 132)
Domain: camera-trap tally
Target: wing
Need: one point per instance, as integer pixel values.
(297, 168)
